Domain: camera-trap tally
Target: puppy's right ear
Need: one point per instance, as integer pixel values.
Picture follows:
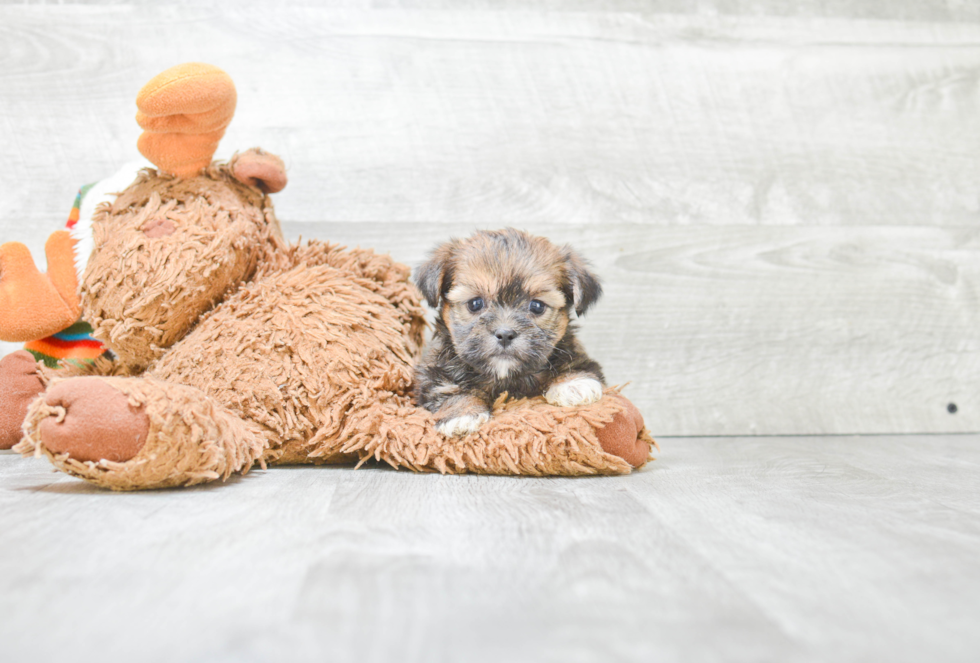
(586, 288)
(434, 277)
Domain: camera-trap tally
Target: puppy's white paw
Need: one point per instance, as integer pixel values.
(468, 423)
(580, 391)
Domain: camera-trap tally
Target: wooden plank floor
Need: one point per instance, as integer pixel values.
(752, 549)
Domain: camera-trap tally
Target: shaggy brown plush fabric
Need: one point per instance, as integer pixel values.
(523, 437)
(141, 294)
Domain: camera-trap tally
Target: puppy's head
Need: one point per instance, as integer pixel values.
(505, 297)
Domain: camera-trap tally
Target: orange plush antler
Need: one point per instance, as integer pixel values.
(184, 112)
(34, 305)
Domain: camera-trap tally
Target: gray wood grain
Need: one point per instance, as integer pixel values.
(756, 549)
(904, 10)
(531, 116)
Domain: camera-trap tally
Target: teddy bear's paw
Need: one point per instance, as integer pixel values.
(624, 435)
(463, 425)
(90, 421)
(577, 391)
(19, 385)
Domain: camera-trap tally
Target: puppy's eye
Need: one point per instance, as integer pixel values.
(475, 304)
(536, 307)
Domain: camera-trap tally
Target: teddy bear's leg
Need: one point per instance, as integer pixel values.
(134, 433)
(20, 383)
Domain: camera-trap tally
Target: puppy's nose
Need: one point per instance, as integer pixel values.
(505, 336)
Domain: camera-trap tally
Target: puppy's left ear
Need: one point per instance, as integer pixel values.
(434, 277)
(586, 288)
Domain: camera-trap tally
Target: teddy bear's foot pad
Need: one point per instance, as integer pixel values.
(19, 385)
(94, 422)
(624, 435)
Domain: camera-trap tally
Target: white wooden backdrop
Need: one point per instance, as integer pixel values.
(784, 203)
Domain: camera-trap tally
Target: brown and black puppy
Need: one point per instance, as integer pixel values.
(504, 300)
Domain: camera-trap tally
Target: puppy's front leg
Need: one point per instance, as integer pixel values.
(579, 388)
(461, 414)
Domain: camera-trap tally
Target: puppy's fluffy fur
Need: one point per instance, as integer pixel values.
(504, 300)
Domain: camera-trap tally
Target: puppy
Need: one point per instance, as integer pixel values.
(504, 299)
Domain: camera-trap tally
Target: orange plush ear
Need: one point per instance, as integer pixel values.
(184, 112)
(34, 305)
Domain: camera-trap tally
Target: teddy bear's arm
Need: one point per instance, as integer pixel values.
(523, 437)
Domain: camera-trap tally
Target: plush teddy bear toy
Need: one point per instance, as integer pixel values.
(232, 347)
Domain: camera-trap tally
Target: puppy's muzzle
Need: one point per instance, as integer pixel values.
(505, 336)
